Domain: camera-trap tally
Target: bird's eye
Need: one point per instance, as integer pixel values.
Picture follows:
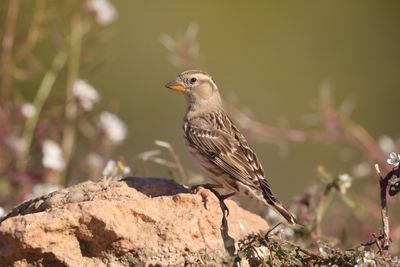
(193, 80)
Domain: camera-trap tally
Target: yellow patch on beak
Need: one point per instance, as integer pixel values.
(176, 86)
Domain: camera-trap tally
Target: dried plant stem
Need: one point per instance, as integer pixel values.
(178, 164)
(383, 183)
(324, 200)
(7, 45)
(34, 32)
(40, 99)
(71, 108)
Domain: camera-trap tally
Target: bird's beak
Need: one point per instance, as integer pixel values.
(176, 86)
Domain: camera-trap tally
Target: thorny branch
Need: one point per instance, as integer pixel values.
(383, 243)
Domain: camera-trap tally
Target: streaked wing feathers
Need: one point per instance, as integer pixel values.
(227, 148)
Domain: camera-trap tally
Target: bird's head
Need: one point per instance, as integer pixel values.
(198, 87)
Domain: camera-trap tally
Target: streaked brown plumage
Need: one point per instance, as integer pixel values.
(217, 146)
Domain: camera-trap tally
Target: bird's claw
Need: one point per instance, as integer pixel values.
(224, 208)
(221, 198)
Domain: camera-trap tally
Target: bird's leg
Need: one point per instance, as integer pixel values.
(220, 197)
(206, 186)
(222, 201)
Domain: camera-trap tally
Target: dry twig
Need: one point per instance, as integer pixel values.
(383, 241)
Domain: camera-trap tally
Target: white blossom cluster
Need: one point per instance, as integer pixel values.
(86, 95)
(104, 11)
(345, 182)
(114, 168)
(113, 127)
(28, 110)
(52, 156)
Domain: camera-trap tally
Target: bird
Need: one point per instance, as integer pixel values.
(217, 146)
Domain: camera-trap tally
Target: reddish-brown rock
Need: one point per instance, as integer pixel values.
(136, 221)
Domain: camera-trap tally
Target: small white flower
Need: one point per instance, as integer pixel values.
(110, 169)
(104, 10)
(386, 144)
(43, 189)
(116, 169)
(86, 94)
(28, 110)
(394, 159)
(2, 212)
(126, 170)
(113, 127)
(344, 182)
(52, 156)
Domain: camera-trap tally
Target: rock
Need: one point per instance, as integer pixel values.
(135, 221)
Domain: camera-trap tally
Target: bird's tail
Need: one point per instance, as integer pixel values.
(284, 212)
(275, 203)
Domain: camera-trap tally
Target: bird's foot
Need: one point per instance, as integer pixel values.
(221, 198)
(194, 188)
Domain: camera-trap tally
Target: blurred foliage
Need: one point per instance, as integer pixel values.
(46, 47)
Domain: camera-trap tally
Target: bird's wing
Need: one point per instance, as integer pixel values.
(257, 168)
(226, 148)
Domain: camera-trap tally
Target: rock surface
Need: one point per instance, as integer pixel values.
(135, 221)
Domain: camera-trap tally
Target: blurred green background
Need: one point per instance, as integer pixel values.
(271, 56)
